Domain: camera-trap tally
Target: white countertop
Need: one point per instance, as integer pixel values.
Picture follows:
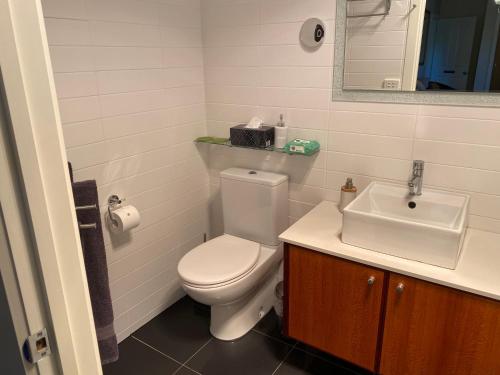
(478, 269)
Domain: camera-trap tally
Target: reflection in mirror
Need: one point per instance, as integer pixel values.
(422, 45)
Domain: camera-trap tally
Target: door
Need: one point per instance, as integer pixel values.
(495, 75)
(23, 308)
(12, 361)
(452, 51)
(434, 330)
(36, 200)
(333, 305)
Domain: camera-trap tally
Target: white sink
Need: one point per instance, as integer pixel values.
(432, 232)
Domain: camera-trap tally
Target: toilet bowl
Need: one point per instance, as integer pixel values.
(237, 272)
(239, 289)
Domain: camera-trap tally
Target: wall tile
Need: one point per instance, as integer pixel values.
(276, 11)
(82, 133)
(79, 109)
(393, 169)
(72, 59)
(130, 80)
(390, 147)
(124, 34)
(182, 57)
(67, 32)
(465, 130)
(398, 125)
(116, 58)
(70, 85)
(121, 81)
(132, 11)
(70, 9)
(119, 104)
(459, 154)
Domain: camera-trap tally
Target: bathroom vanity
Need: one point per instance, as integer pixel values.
(387, 314)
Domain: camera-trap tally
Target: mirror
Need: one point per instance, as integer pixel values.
(439, 46)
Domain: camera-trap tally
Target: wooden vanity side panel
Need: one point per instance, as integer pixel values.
(330, 305)
(434, 330)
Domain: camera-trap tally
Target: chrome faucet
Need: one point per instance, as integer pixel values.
(417, 178)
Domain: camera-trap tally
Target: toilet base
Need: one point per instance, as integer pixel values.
(231, 321)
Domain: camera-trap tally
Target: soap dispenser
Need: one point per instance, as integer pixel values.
(280, 133)
(347, 194)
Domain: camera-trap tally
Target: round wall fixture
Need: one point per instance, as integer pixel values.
(312, 33)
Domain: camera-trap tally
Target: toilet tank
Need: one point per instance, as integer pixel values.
(254, 204)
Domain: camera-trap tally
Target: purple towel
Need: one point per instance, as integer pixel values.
(94, 254)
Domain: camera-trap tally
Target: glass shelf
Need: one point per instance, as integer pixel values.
(227, 143)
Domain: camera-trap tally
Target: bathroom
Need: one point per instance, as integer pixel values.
(121, 89)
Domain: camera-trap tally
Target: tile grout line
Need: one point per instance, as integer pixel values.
(284, 359)
(294, 346)
(196, 352)
(156, 350)
(189, 368)
(187, 360)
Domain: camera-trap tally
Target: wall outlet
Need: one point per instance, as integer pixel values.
(392, 84)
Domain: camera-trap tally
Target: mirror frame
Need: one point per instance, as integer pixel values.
(470, 99)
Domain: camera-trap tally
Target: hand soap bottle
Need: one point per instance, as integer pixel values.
(347, 194)
(280, 133)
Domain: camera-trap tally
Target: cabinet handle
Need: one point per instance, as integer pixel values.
(371, 280)
(400, 288)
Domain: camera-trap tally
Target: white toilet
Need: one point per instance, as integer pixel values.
(236, 273)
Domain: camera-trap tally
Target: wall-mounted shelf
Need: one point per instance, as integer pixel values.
(227, 143)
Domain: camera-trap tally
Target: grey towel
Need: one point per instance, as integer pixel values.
(85, 193)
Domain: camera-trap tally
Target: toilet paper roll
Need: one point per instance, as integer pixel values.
(124, 219)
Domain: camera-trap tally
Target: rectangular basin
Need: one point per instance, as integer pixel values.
(429, 228)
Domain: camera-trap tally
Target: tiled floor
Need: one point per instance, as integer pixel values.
(178, 342)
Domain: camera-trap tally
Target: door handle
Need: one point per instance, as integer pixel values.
(400, 288)
(449, 71)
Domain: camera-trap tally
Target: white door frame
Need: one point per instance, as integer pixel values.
(416, 18)
(18, 270)
(36, 129)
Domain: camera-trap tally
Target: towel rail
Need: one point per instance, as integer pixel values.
(388, 6)
(88, 207)
(88, 226)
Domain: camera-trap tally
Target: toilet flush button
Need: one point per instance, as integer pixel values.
(252, 172)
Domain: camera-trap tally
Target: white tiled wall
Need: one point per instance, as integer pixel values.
(260, 69)
(129, 76)
(137, 84)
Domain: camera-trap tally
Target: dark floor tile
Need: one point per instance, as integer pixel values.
(137, 358)
(253, 354)
(179, 331)
(185, 371)
(299, 362)
(271, 325)
(331, 359)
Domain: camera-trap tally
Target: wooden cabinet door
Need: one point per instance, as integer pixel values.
(434, 330)
(333, 305)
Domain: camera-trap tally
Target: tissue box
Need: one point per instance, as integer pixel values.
(259, 138)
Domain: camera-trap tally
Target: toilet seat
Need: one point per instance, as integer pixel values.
(219, 262)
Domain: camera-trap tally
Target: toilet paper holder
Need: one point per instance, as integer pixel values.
(121, 218)
(114, 201)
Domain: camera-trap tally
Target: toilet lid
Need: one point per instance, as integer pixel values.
(219, 260)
